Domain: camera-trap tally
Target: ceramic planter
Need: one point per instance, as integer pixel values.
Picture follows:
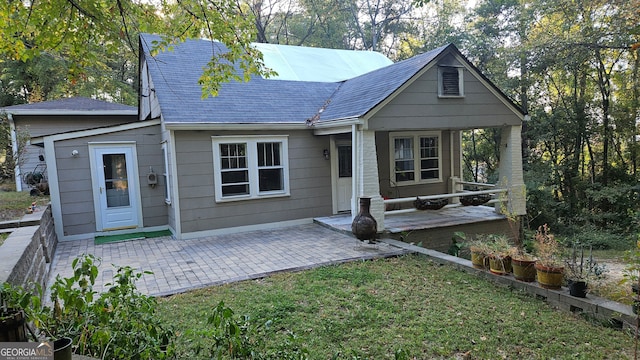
(577, 288)
(62, 349)
(479, 259)
(524, 270)
(500, 265)
(549, 277)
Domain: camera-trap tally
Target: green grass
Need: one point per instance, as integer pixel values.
(13, 205)
(369, 310)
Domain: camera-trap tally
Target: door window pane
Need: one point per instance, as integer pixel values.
(116, 184)
(344, 161)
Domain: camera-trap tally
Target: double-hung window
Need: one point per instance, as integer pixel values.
(415, 157)
(250, 167)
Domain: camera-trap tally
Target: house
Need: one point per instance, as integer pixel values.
(332, 127)
(37, 120)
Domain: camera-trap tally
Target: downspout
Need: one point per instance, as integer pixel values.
(14, 149)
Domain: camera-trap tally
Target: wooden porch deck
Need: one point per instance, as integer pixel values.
(433, 228)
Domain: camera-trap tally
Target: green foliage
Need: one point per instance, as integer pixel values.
(239, 337)
(119, 323)
(97, 39)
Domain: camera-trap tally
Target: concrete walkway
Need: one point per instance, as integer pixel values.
(183, 265)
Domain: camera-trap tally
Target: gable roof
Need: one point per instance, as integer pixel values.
(175, 77)
(71, 106)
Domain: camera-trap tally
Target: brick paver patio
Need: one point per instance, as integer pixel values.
(182, 265)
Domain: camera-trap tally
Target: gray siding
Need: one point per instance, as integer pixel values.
(309, 176)
(419, 107)
(387, 187)
(74, 179)
(55, 124)
(38, 126)
(31, 163)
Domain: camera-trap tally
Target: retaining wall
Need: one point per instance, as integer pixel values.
(25, 256)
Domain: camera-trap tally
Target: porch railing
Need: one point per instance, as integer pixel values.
(458, 185)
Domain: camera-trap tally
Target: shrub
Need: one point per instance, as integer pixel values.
(116, 324)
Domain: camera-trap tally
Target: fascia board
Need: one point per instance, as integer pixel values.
(100, 131)
(43, 112)
(235, 126)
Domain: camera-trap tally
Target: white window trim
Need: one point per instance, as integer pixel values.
(165, 174)
(460, 82)
(252, 164)
(416, 158)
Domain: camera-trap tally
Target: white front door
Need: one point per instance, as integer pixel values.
(115, 186)
(343, 183)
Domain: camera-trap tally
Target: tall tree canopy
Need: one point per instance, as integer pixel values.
(571, 64)
(92, 36)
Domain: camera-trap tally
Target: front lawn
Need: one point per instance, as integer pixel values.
(375, 309)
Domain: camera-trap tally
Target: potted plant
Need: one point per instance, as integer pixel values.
(580, 271)
(632, 274)
(523, 265)
(12, 316)
(479, 249)
(500, 254)
(549, 267)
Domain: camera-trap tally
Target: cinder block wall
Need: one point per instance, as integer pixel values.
(26, 255)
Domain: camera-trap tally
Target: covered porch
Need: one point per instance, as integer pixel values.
(434, 229)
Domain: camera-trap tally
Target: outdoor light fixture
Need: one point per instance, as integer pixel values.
(75, 153)
(325, 153)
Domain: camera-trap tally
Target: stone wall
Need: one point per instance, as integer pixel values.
(25, 256)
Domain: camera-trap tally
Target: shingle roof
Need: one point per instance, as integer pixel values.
(175, 77)
(73, 104)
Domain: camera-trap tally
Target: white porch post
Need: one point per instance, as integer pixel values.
(365, 174)
(511, 175)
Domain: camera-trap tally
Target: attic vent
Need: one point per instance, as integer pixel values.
(450, 81)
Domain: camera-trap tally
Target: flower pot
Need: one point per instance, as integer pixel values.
(479, 260)
(549, 277)
(577, 288)
(524, 270)
(12, 326)
(62, 349)
(500, 265)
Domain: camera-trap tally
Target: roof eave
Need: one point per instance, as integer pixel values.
(234, 126)
(34, 112)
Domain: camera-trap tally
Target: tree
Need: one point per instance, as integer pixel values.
(80, 32)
